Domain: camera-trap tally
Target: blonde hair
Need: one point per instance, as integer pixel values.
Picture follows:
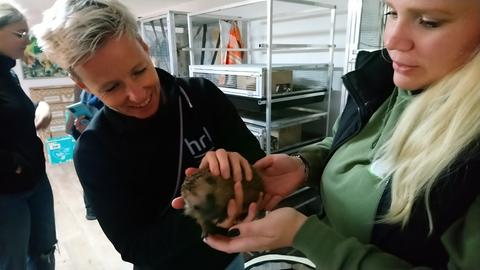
(73, 30)
(9, 14)
(432, 132)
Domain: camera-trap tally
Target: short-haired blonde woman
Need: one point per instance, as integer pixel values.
(27, 226)
(132, 156)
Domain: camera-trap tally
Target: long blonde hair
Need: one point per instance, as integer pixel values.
(434, 129)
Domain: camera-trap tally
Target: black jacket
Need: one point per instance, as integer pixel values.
(20, 146)
(131, 169)
(369, 86)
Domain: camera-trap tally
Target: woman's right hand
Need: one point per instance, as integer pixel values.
(281, 174)
(227, 164)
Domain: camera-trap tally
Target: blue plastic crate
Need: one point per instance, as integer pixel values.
(60, 149)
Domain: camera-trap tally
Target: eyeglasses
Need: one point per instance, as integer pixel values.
(20, 35)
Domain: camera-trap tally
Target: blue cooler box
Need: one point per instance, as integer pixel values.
(60, 149)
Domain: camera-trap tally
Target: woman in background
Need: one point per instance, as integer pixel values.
(27, 226)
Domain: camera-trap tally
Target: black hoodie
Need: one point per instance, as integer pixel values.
(131, 169)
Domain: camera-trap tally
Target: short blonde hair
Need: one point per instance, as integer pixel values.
(9, 14)
(73, 30)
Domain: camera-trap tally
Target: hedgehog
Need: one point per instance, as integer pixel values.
(206, 198)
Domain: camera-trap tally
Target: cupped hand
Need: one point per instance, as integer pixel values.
(234, 210)
(281, 175)
(276, 230)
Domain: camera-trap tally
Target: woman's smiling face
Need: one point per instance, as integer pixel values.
(121, 74)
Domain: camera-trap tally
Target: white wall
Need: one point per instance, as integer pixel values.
(307, 30)
(199, 5)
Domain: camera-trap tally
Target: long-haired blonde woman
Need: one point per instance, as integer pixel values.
(400, 178)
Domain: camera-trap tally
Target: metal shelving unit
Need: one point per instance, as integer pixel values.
(249, 80)
(166, 36)
(268, 102)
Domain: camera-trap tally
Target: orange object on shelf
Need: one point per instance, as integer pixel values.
(234, 42)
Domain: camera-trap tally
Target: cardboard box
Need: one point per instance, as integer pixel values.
(281, 81)
(279, 138)
(287, 136)
(60, 149)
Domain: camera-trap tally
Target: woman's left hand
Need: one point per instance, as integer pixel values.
(276, 230)
(43, 117)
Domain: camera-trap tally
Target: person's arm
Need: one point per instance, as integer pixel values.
(151, 242)
(315, 157)
(462, 239)
(43, 117)
(330, 250)
(326, 248)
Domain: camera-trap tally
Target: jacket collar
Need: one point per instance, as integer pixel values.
(6, 63)
(372, 80)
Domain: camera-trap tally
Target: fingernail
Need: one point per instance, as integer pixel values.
(233, 232)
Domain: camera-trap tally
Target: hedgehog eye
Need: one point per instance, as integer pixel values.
(196, 207)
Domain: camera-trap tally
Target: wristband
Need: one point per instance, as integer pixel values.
(306, 167)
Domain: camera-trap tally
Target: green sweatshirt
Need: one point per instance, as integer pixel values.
(351, 190)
